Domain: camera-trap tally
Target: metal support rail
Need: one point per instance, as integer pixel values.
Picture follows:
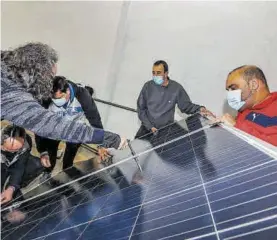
(115, 105)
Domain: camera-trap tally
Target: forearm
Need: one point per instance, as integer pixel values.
(190, 108)
(25, 112)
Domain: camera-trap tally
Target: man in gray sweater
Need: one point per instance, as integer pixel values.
(157, 100)
(26, 76)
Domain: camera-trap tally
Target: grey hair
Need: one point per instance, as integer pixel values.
(31, 66)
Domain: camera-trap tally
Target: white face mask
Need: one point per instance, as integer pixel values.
(59, 102)
(158, 80)
(234, 99)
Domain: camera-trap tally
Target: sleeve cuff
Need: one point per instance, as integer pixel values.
(198, 109)
(14, 187)
(98, 136)
(148, 126)
(44, 154)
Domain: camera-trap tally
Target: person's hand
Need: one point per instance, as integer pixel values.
(123, 143)
(15, 216)
(153, 129)
(45, 161)
(228, 119)
(206, 113)
(7, 195)
(103, 153)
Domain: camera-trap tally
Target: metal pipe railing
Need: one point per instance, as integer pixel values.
(91, 149)
(115, 105)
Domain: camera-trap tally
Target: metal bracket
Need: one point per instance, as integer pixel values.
(134, 154)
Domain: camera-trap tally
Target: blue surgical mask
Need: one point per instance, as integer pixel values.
(59, 102)
(158, 80)
(234, 99)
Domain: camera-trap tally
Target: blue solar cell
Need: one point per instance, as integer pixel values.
(208, 185)
(265, 229)
(258, 234)
(70, 234)
(122, 200)
(118, 225)
(199, 225)
(82, 213)
(5, 233)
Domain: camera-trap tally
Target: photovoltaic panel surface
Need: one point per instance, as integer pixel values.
(196, 183)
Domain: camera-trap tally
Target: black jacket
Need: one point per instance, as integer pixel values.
(88, 105)
(16, 169)
(90, 109)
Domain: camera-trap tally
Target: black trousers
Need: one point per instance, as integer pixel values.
(32, 169)
(142, 131)
(69, 155)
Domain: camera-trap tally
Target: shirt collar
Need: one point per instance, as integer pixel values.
(271, 98)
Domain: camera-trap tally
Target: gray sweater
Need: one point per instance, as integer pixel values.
(19, 107)
(156, 104)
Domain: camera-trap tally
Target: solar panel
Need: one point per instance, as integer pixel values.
(197, 182)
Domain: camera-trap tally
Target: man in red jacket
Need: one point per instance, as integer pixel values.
(248, 93)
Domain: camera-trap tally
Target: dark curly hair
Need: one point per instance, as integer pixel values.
(31, 66)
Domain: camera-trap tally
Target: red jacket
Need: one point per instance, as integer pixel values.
(261, 120)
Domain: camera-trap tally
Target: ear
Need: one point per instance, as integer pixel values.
(254, 84)
(166, 74)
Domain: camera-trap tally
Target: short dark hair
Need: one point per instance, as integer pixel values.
(162, 62)
(60, 84)
(249, 72)
(12, 131)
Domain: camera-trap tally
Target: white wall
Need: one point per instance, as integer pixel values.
(112, 45)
